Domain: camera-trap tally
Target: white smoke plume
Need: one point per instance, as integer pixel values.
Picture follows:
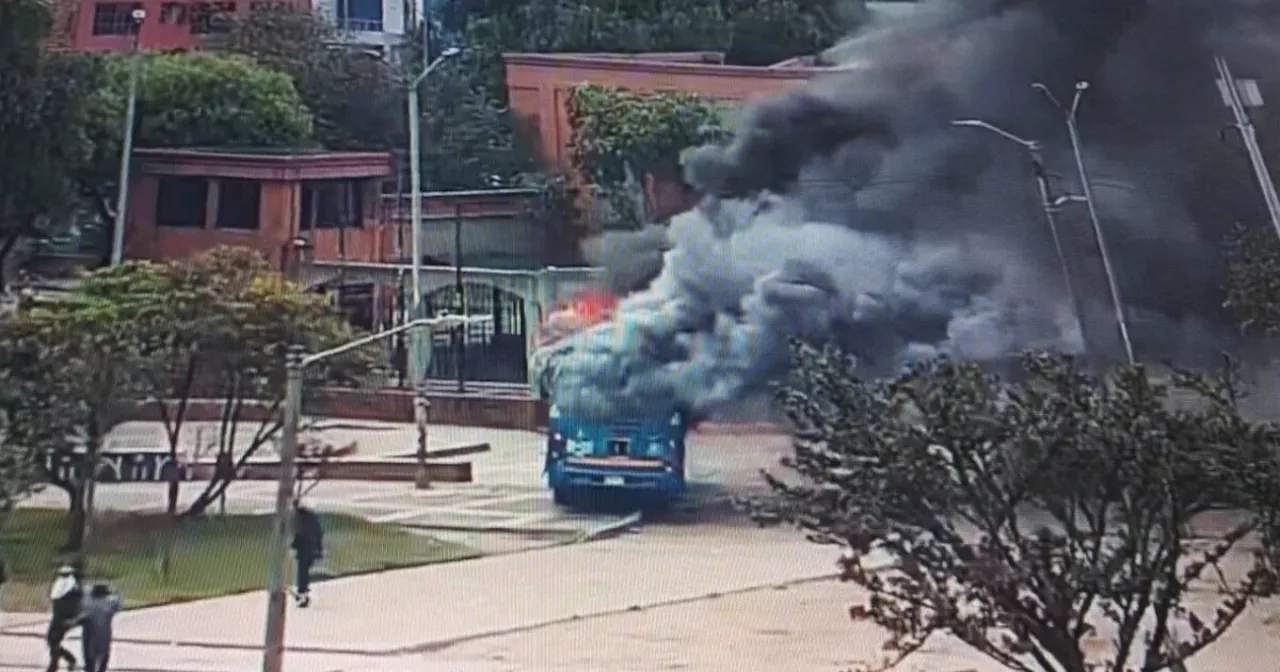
(853, 211)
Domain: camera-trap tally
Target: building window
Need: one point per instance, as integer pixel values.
(332, 204)
(114, 18)
(180, 202)
(238, 204)
(359, 15)
(207, 18)
(173, 14)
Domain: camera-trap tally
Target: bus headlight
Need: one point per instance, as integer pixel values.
(578, 447)
(655, 449)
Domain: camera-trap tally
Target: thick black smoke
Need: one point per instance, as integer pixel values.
(854, 211)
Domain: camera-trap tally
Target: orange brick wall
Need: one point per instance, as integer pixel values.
(539, 86)
(145, 240)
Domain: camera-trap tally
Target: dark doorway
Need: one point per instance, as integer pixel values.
(491, 352)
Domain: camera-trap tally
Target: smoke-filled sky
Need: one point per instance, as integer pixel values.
(852, 210)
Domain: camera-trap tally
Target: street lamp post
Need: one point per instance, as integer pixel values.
(1240, 95)
(298, 361)
(417, 346)
(1087, 191)
(126, 149)
(1048, 204)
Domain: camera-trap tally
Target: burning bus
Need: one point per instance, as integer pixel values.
(586, 456)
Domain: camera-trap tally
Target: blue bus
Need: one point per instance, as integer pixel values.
(645, 457)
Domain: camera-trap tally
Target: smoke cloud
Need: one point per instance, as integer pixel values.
(853, 211)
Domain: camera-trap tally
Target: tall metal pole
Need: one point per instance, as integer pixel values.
(298, 360)
(277, 598)
(1249, 134)
(1050, 216)
(416, 345)
(1047, 204)
(126, 147)
(421, 416)
(461, 351)
(1108, 269)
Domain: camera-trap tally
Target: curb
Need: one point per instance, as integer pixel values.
(496, 529)
(440, 645)
(593, 533)
(434, 647)
(456, 451)
(611, 528)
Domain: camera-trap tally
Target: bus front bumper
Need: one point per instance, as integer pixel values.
(568, 475)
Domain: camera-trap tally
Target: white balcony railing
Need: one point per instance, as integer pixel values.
(359, 25)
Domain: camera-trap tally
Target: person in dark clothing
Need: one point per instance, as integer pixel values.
(95, 623)
(308, 547)
(66, 596)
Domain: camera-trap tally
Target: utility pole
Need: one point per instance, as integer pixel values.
(1050, 207)
(1234, 93)
(277, 596)
(1112, 283)
(417, 345)
(139, 16)
(298, 361)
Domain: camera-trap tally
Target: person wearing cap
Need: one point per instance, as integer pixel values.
(65, 596)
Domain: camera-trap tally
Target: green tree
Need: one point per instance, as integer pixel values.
(248, 315)
(619, 136)
(469, 138)
(20, 442)
(80, 353)
(41, 125)
(1023, 518)
(357, 99)
(190, 100)
(217, 326)
(1252, 283)
(750, 32)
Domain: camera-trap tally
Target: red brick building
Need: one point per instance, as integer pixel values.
(108, 25)
(539, 86)
(183, 202)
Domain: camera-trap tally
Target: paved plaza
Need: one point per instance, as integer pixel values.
(698, 589)
(506, 507)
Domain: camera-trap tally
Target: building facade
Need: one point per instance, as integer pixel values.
(539, 87)
(172, 25)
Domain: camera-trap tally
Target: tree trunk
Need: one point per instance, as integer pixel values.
(171, 501)
(82, 525)
(75, 530)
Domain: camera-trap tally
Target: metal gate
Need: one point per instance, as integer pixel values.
(492, 352)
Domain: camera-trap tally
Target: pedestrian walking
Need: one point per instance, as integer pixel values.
(308, 547)
(66, 596)
(95, 627)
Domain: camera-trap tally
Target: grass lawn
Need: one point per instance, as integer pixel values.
(216, 556)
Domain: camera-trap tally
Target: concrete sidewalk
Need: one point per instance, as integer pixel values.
(428, 608)
(29, 655)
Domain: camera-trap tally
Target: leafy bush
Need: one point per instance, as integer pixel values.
(1024, 518)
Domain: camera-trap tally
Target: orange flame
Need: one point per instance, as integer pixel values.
(587, 309)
